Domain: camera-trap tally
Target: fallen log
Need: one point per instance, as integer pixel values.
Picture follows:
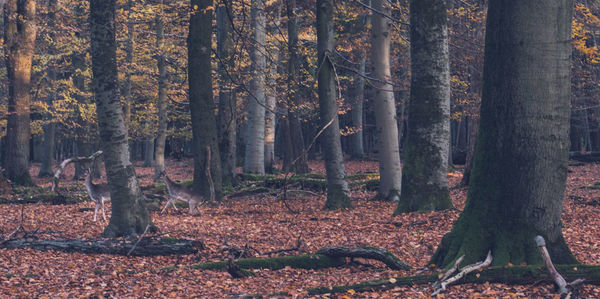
(327, 257)
(145, 247)
(305, 261)
(373, 253)
(504, 274)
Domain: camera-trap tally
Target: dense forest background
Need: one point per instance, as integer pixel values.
(61, 74)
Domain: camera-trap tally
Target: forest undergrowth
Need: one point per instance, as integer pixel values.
(263, 223)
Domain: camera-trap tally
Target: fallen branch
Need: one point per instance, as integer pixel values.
(464, 271)
(563, 286)
(144, 247)
(63, 164)
(522, 275)
(138, 241)
(378, 254)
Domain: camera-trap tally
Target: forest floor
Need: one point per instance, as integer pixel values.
(266, 224)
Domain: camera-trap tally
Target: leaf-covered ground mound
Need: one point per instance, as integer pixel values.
(265, 223)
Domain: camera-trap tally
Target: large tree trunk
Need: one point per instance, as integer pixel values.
(129, 213)
(50, 127)
(337, 186)
(385, 106)
(424, 177)
(473, 127)
(202, 107)
(520, 169)
(163, 119)
(293, 127)
(19, 40)
(129, 45)
(227, 124)
(255, 138)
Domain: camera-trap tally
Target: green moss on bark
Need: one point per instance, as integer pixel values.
(337, 198)
(308, 261)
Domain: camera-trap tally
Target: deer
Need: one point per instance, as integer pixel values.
(179, 192)
(98, 194)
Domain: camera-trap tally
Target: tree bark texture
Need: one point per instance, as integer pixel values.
(520, 168)
(129, 213)
(202, 107)
(227, 124)
(424, 177)
(385, 106)
(292, 125)
(50, 127)
(19, 41)
(270, 117)
(337, 186)
(129, 47)
(163, 118)
(255, 138)
(358, 151)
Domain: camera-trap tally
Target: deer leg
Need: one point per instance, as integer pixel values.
(102, 205)
(168, 202)
(95, 210)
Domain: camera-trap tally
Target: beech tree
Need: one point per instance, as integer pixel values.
(424, 177)
(292, 127)
(337, 186)
(19, 40)
(385, 107)
(129, 214)
(50, 127)
(202, 107)
(520, 169)
(161, 64)
(227, 122)
(255, 138)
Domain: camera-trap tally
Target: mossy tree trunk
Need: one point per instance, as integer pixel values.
(520, 168)
(202, 107)
(129, 213)
(424, 177)
(19, 41)
(337, 186)
(227, 123)
(385, 105)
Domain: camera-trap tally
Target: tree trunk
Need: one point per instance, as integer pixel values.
(204, 125)
(385, 106)
(520, 168)
(271, 99)
(149, 152)
(129, 213)
(293, 127)
(227, 124)
(358, 151)
(50, 127)
(337, 186)
(255, 138)
(163, 118)
(129, 45)
(425, 173)
(19, 41)
(473, 127)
